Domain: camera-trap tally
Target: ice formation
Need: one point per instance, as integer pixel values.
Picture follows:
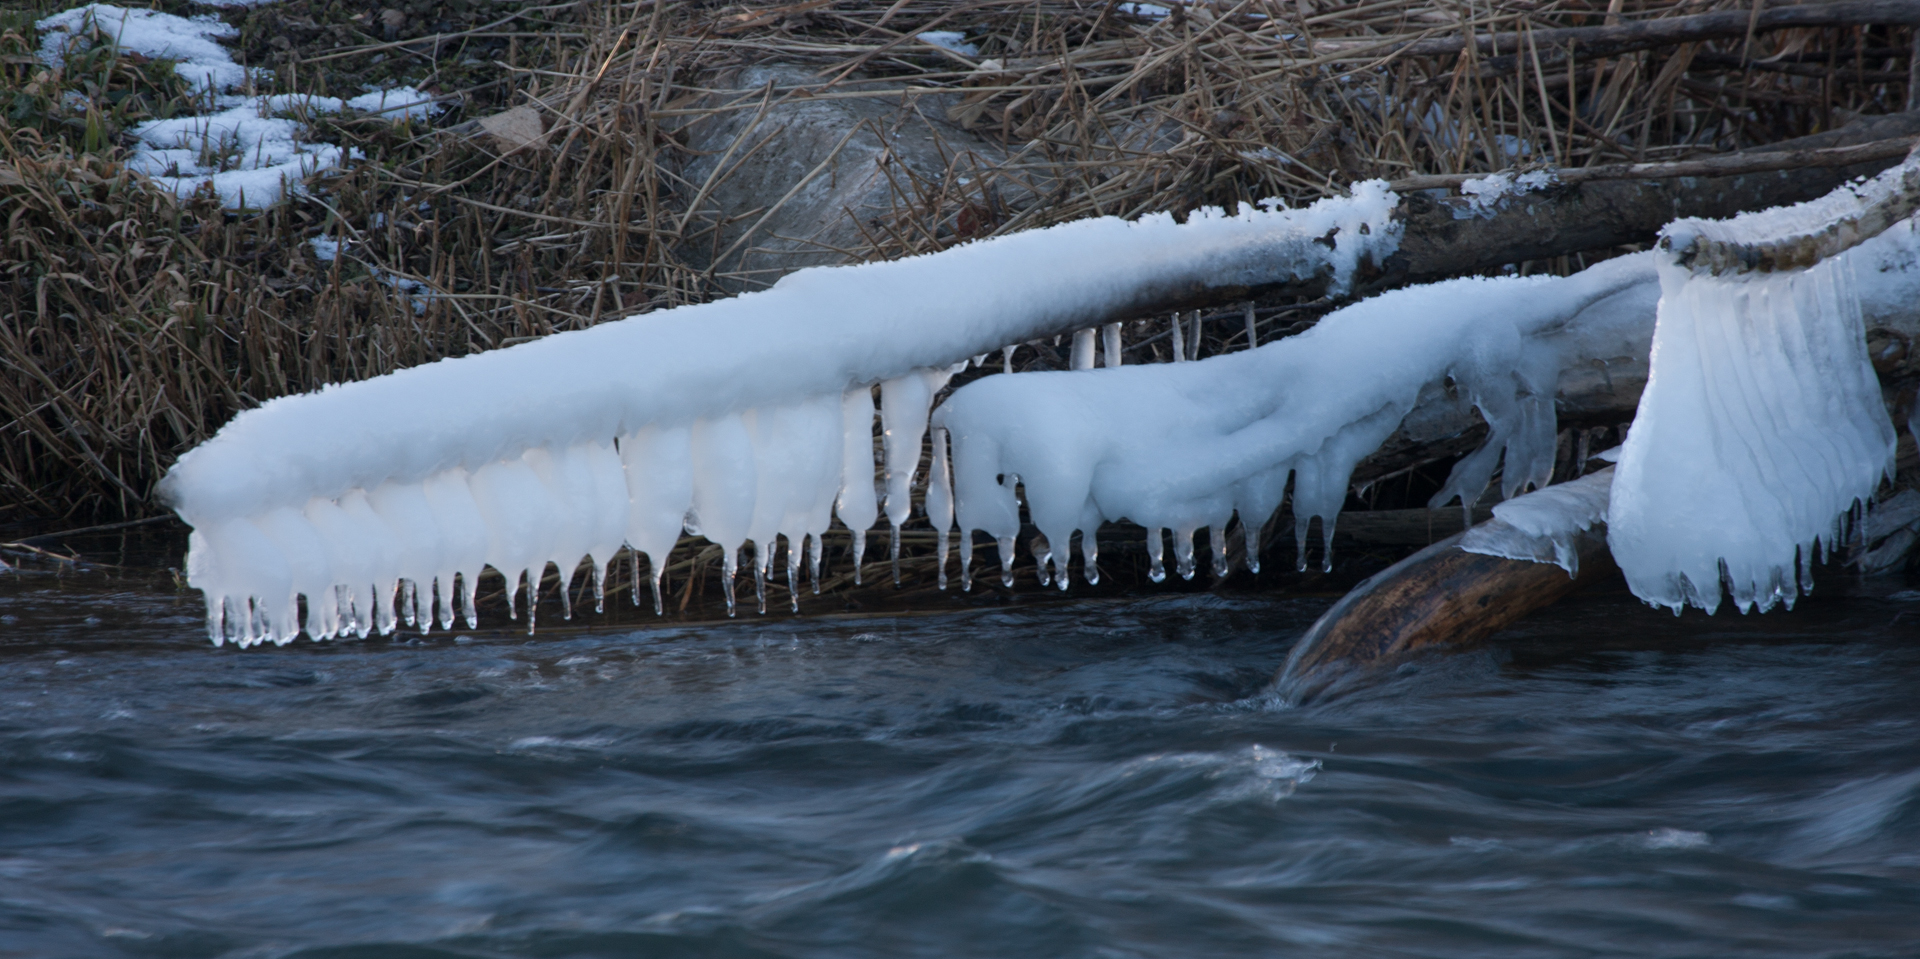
(1762, 428)
(1542, 526)
(1182, 446)
(748, 420)
(1486, 195)
(949, 40)
(248, 148)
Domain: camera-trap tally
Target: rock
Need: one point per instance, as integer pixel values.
(515, 129)
(821, 180)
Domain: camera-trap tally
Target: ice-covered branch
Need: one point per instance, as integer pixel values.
(1762, 427)
(744, 416)
(1188, 445)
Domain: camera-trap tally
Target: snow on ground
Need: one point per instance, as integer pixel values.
(250, 147)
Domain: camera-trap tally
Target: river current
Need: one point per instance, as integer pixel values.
(1103, 779)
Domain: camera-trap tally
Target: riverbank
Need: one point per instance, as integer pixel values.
(141, 323)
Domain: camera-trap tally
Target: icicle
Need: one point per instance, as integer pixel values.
(729, 566)
(1006, 357)
(940, 500)
(1090, 557)
(904, 404)
(762, 559)
(409, 604)
(857, 503)
(1761, 423)
(1179, 341)
(1183, 552)
(1006, 561)
(813, 562)
(1111, 355)
(724, 488)
(1217, 538)
(533, 577)
(1253, 338)
(1156, 571)
(1082, 356)
(470, 583)
(657, 463)
(1194, 337)
(793, 576)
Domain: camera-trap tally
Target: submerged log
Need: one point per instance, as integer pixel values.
(1441, 596)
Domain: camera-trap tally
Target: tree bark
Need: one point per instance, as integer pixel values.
(1647, 34)
(1443, 239)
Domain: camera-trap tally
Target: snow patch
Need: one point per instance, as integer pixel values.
(1486, 195)
(162, 36)
(251, 146)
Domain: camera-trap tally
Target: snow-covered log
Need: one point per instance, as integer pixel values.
(741, 417)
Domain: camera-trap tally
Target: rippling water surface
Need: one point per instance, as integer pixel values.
(1086, 780)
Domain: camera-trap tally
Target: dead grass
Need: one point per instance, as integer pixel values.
(133, 324)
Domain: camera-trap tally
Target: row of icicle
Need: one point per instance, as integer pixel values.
(745, 479)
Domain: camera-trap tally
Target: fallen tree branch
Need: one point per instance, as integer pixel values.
(1441, 239)
(1646, 34)
(1729, 164)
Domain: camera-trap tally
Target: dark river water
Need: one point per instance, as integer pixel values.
(1103, 780)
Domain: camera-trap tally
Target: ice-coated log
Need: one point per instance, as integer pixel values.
(1184, 446)
(1762, 429)
(511, 450)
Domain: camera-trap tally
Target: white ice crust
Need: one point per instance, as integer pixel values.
(742, 415)
(1543, 526)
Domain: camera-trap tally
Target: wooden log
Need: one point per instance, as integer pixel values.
(1439, 242)
(1642, 34)
(1441, 596)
